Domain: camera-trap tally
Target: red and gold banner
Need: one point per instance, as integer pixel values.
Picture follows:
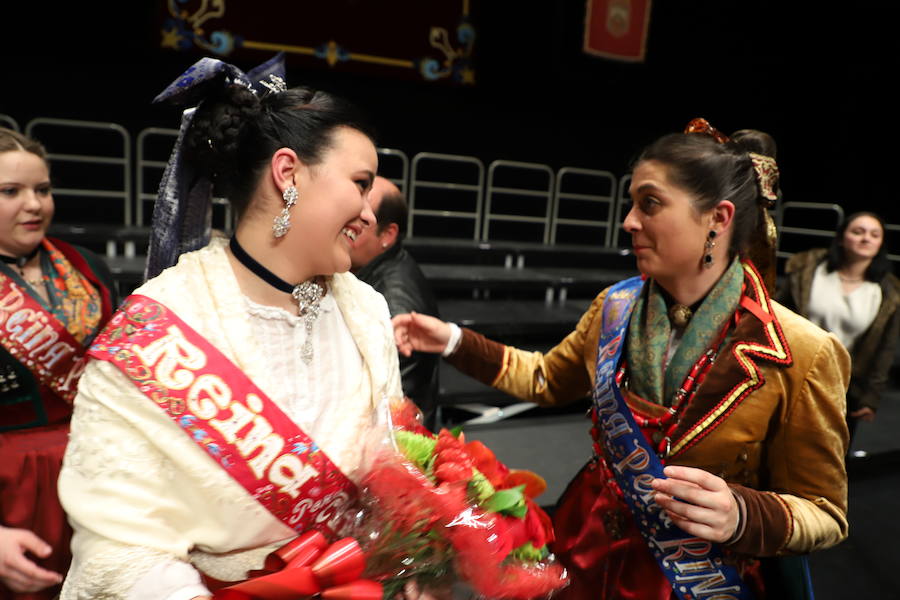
(227, 415)
(38, 340)
(616, 29)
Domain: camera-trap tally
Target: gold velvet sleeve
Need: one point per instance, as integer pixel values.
(805, 508)
(561, 375)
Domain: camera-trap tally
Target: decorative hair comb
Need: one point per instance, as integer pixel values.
(700, 125)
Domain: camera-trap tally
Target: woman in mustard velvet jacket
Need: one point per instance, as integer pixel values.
(741, 399)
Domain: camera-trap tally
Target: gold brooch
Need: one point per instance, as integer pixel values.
(679, 315)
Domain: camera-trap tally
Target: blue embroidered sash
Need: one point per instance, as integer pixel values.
(692, 565)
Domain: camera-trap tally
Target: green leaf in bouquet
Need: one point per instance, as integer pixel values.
(392, 587)
(510, 501)
(428, 467)
(416, 447)
(455, 431)
(479, 487)
(528, 553)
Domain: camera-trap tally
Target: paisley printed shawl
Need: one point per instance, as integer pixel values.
(650, 332)
(75, 301)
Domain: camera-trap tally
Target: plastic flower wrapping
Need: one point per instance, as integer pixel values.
(440, 509)
(434, 509)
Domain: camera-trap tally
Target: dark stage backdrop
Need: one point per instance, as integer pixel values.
(520, 86)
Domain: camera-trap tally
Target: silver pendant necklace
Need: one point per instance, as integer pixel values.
(309, 296)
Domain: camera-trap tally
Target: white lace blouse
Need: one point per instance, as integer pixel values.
(307, 392)
(147, 504)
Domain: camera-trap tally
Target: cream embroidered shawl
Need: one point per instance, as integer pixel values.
(139, 492)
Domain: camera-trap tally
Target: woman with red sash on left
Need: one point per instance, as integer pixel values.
(227, 406)
(54, 299)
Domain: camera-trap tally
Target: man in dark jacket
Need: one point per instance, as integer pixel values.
(380, 260)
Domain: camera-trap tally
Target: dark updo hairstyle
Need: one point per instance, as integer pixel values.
(712, 171)
(235, 133)
(11, 141)
(753, 140)
(880, 265)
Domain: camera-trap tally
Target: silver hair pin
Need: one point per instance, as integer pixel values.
(275, 84)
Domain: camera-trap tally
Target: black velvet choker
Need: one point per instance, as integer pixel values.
(258, 270)
(20, 261)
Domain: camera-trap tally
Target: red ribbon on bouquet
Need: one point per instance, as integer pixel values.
(307, 566)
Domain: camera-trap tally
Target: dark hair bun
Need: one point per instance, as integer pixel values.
(221, 123)
(753, 140)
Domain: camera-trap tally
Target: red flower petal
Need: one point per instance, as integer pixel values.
(534, 483)
(447, 440)
(452, 471)
(534, 526)
(455, 455)
(486, 462)
(406, 415)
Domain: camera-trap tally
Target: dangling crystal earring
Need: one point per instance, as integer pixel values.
(709, 244)
(282, 223)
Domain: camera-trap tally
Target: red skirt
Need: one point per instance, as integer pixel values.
(30, 461)
(604, 552)
(601, 547)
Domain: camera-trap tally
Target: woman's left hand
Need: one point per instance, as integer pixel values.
(698, 502)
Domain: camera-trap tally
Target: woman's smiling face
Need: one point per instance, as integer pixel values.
(333, 206)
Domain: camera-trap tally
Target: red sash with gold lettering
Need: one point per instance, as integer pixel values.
(227, 415)
(38, 340)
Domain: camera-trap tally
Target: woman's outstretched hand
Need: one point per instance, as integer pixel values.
(421, 333)
(698, 502)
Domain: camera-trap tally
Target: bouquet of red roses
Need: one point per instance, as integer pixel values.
(433, 509)
(438, 508)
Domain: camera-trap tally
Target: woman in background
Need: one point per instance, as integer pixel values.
(54, 298)
(849, 290)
